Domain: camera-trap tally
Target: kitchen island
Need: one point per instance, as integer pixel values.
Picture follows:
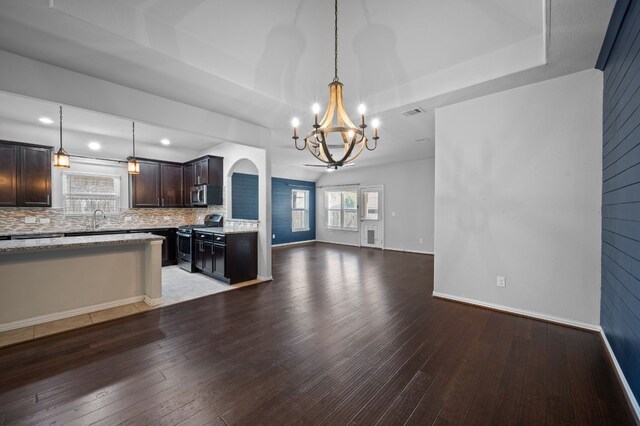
(47, 279)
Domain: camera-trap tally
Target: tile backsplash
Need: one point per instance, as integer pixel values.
(12, 219)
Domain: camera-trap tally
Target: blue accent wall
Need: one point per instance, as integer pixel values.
(281, 210)
(620, 302)
(244, 196)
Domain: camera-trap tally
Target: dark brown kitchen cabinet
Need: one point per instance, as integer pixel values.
(171, 185)
(145, 186)
(189, 181)
(159, 184)
(208, 171)
(25, 175)
(8, 175)
(35, 171)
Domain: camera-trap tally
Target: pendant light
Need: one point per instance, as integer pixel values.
(61, 159)
(132, 165)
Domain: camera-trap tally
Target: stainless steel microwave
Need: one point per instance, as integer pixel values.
(205, 195)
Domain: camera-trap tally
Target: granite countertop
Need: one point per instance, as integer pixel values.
(14, 246)
(227, 230)
(87, 230)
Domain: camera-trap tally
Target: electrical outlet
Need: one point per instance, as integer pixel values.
(393, 214)
(128, 218)
(421, 240)
(167, 217)
(501, 282)
(29, 219)
(45, 220)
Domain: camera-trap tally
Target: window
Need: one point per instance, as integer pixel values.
(370, 200)
(83, 193)
(299, 210)
(342, 209)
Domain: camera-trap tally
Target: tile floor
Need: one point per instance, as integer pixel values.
(177, 286)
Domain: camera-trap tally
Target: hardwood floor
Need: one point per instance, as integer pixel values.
(341, 336)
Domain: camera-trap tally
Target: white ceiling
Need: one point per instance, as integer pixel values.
(264, 61)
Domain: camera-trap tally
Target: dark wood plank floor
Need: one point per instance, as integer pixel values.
(341, 336)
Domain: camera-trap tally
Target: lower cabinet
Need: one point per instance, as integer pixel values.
(230, 258)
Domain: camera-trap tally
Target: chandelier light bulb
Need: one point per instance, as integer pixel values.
(362, 109)
(350, 134)
(315, 108)
(375, 123)
(295, 122)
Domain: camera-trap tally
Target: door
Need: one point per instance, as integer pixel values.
(371, 218)
(189, 181)
(145, 187)
(171, 183)
(219, 257)
(8, 175)
(35, 177)
(208, 257)
(202, 172)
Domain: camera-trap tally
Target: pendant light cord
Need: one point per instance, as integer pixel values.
(335, 45)
(133, 131)
(60, 126)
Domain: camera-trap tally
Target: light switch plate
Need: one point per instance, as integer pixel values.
(29, 219)
(127, 218)
(45, 220)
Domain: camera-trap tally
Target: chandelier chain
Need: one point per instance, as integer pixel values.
(335, 45)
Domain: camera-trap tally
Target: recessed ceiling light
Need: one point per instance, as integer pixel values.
(165, 141)
(45, 120)
(94, 146)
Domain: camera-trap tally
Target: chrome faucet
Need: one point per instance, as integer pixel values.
(95, 225)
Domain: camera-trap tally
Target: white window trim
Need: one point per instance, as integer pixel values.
(306, 210)
(342, 210)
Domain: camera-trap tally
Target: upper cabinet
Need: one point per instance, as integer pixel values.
(208, 171)
(157, 185)
(8, 175)
(171, 185)
(145, 186)
(25, 175)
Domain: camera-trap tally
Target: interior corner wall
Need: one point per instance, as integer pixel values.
(518, 192)
(408, 203)
(620, 306)
(281, 207)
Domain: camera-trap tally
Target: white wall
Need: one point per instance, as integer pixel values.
(234, 155)
(518, 194)
(408, 191)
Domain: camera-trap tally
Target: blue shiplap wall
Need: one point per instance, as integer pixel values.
(620, 303)
(244, 196)
(244, 199)
(281, 210)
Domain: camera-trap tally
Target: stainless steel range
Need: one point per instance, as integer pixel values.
(186, 241)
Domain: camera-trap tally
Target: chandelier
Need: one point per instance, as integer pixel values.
(351, 138)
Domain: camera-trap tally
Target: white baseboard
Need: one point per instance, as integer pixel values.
(340, 244)
(66, 314)
(629, 394)
(295, 243)
(525, 313)
(408, 251)
(153, 302)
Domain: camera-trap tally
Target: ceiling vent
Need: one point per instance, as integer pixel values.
(412, 111)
